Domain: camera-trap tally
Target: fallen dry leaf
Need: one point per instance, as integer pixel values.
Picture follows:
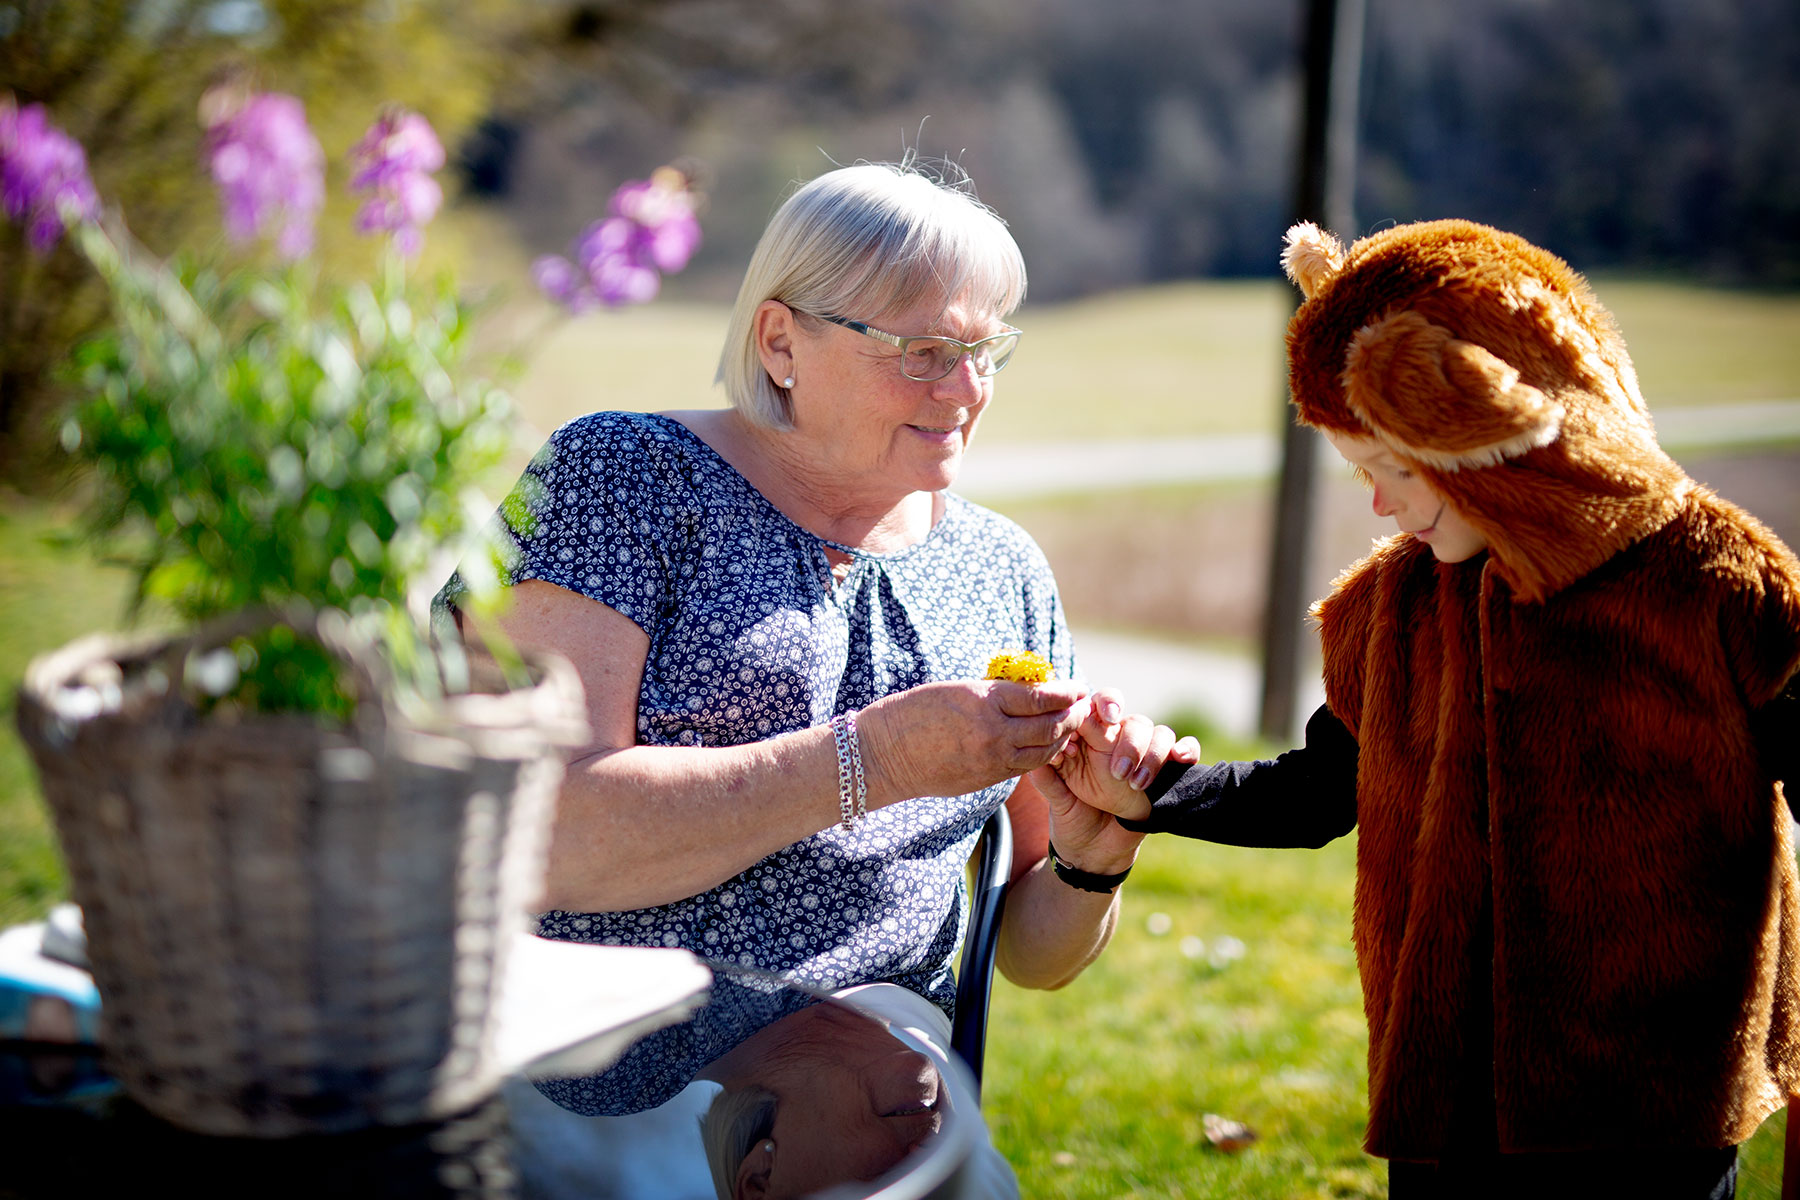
(1228, 1135)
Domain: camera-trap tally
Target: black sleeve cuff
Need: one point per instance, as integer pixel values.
(1305, 797)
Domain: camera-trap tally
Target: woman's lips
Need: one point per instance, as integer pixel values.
(949, 436)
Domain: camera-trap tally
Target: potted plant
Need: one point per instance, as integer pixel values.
(302, 832)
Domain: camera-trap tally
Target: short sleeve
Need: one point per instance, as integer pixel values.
(604, 510)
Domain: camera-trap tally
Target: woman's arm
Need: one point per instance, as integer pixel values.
(638, 826)
(1051, 931)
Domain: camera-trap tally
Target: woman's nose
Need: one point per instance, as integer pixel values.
(963, 384)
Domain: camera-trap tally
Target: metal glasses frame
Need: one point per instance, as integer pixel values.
(904, 342)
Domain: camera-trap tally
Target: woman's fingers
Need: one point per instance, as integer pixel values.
(1028, 700)
(946, 739)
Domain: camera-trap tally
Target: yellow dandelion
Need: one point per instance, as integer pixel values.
(1020, 666)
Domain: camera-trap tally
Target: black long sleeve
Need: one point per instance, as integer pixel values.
(1304, 797)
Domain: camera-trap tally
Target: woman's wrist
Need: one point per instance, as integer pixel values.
(875, 729)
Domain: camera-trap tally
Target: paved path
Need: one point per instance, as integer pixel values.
(1014, 471)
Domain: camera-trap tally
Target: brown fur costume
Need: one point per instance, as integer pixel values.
(1560, 727)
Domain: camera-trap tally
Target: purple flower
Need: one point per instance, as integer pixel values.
(270, 170)
(43, 174)
(393, 164)
(558, 279)
(662, 208)
(620, 259)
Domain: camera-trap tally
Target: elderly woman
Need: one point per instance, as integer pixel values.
(781, 616)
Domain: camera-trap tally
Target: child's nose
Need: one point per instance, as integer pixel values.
(1384, 507)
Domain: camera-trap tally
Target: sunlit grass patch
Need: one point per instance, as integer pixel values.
(1707, 346)
(1229, 989)
(1179, 359)
(49, 595)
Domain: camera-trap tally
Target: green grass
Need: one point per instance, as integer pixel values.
(1707, 347)
(1180, 359)
(48, 596)
(1099, 1090)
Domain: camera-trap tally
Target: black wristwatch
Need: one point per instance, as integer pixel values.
(1085, 881)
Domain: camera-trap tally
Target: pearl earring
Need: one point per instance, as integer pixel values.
(769, 1147)
(788, 382)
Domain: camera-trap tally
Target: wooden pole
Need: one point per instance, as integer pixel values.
(1324, 193)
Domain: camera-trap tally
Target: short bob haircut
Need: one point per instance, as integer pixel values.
(864, 242)
(733, 1123)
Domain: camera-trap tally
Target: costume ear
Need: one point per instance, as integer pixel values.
(1310, 257)
(1440, 400)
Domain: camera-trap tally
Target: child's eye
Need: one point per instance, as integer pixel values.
(1403, 473)
(1362, 475)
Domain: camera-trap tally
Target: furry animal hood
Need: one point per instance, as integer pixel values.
(1486, 364)
(1576, 895)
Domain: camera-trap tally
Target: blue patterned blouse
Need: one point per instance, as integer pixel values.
(749, 638)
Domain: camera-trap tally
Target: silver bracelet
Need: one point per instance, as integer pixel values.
(853, 793)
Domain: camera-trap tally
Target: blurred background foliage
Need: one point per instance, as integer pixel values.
(1128, 142)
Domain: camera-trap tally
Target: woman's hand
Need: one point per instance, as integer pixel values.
(947, 739)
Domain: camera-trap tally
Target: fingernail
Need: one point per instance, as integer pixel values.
(1141, 780)
(1109, 710)
(1119, 766)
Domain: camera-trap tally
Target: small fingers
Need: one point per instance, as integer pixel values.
(1132, 742)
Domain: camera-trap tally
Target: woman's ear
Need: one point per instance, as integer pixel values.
(774, 329)
(1439, 400)
(752, 1182)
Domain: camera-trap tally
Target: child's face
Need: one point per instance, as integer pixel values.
(1404, 496)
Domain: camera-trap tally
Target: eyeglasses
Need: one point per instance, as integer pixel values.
(930, 358)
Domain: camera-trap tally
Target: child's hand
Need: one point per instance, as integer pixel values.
(1113, 758)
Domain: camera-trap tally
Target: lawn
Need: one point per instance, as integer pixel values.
(48, 596)
(1098, 1090)
(1181, 359)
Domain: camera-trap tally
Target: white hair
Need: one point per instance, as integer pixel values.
(731, 1124)
(862, 242)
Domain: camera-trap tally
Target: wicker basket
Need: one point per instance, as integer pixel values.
(295, 929)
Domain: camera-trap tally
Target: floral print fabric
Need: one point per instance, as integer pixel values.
(749, 638)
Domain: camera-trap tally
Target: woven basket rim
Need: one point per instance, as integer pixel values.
(547, 707)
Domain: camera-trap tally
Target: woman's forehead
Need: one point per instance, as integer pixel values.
(953, 317)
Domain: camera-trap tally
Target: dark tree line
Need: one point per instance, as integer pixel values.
(1153, 139)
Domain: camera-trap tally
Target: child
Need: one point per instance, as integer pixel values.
(1560, 708)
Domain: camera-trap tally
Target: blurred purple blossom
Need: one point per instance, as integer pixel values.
(651, 230)
(393, 164)
(43, 174)
(269, 168)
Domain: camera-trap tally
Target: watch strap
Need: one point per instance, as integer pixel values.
(1085, 881)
